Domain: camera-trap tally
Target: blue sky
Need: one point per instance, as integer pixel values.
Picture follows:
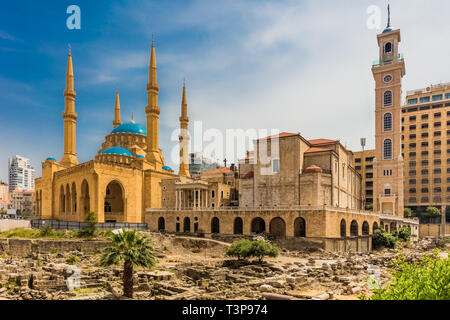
(299, 66)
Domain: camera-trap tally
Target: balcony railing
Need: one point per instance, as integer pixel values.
(387, 60)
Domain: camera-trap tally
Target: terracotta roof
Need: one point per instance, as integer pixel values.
(316, 149)
(216, 171)
(280, 135)
(313, 169)
(320, 141)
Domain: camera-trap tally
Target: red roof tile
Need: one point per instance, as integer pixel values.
(280, 135)
(320, 141)
(316, 149)
(219, 170)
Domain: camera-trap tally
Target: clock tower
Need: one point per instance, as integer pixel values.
(388, 72)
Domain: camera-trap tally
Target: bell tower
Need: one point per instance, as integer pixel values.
(388, 72)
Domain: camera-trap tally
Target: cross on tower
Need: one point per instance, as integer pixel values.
(225, 161)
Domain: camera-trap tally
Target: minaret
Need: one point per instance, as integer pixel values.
(184, 137)
(388, 72)
(153, 155)
(117, 121)
(69, 158)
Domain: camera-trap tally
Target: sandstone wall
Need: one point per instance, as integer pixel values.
(23, 247)
(432, 230)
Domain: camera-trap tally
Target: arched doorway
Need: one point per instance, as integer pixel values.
(238, 227)
(365, 228)
(277, 228)
(114, 202)
(258, 225)
(215, 225)
(85, 200)
(300, 227)
(354, 229)
(343, 228)
(187, 225)
(161, 224)
(374, 227)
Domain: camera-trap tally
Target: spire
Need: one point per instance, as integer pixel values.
(69, 158)
(152, 69)
(69, 72)
(184, 136)
(117, 121)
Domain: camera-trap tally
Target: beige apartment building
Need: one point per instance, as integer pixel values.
(24, 201)
(363, 163)
(426, 146)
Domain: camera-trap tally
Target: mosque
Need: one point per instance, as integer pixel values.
(124, 177)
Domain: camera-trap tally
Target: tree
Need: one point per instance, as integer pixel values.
(91, 227)
(403, 234)
(433, 212)
(383, 239)
(240, 249)
(426, 279)
(243, 249)
(131, 249)
(407, 213)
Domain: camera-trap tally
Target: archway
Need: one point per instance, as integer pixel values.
(85, 206)
(62, 201)
(114, 202)
(300, 227)
(354, 229)
(365, 228)
(343, 228)
(161, 224)
(277, 228)
(215, 225)
(68, 200)
(258, 225)
(74, 199)
(187, 225)
(392, 227)
(374, 227)
(238, 227)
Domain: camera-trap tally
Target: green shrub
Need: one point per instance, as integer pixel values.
(72, 259)
(433, 212)
(240, 249)
(244, 249)
(91, 228)
(403, 234)
(369, 206)
(426, 279)
(383, 239)
(407, 213)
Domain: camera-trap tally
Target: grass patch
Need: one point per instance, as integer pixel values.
(48, 233)
(72, 259)
(85, 291)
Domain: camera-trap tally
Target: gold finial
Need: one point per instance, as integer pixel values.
(153, 39)
(132, 118)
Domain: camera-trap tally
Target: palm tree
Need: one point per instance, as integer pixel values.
(131, 249)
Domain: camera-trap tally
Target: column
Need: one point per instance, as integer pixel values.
(176, 199)
(207, 196)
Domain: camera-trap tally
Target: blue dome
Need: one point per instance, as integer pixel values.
(167, 168)
(388, 29)
(140, 156)
(50, 159)
(130, 127)
(118, 151)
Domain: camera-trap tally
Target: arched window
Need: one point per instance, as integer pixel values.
(343, 228)
(161, 224)
(375, 226)
(354, 229)
(387, 149)
(388, 47)
(238, 226)
(365, 228)
(387, 101)
(215, 225)
(387, 122)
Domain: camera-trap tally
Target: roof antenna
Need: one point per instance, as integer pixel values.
(132, 117)
(389, 16)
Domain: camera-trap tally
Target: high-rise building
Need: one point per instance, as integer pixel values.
(363, 163)
(426, 146)
(198, 164)
(21, 174)
(388, 72)
(3, 191)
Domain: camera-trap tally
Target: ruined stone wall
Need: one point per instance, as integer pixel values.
(24, 247)
(432, 230)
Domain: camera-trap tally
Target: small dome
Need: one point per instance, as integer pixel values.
(118, 151)
(50, 159)
(314, 169)
(167, 168)
(140, 156)
(130, 127)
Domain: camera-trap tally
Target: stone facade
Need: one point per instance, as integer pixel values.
(295, 172)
